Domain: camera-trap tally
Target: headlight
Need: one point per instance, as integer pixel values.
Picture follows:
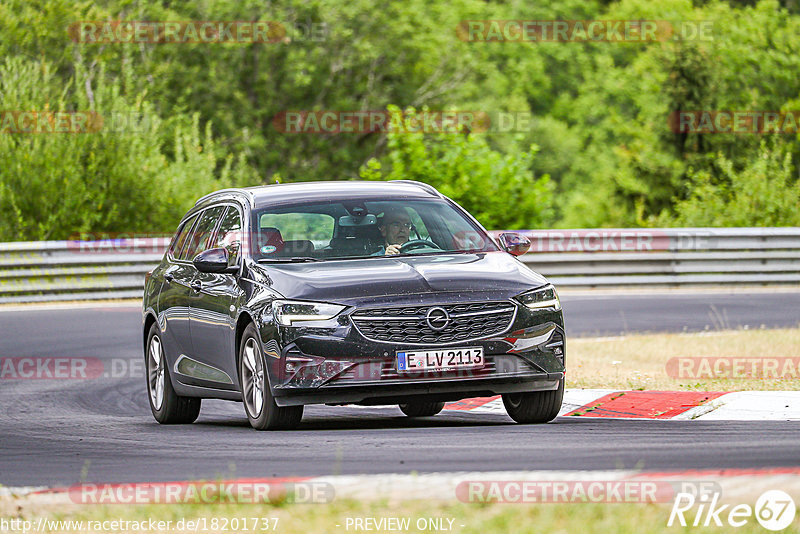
(288, 312)
(544, 298)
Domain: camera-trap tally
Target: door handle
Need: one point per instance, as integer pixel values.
(196, 285)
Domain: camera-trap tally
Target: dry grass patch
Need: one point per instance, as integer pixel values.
(640, 361)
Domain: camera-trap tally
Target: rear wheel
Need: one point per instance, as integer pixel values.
(259, 404)
(167, 407)
(535, 407)
(421, 409)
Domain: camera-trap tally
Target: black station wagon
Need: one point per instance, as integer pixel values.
(349, 292)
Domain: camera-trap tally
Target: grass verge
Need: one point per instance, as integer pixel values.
(641, 361)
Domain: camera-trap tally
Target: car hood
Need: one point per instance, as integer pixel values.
(361, 280)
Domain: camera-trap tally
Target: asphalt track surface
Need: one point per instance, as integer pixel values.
(55, 432)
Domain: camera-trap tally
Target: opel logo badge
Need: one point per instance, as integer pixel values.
(437, 318)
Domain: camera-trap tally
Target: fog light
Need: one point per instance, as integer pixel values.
(294, 363)
(312, 371)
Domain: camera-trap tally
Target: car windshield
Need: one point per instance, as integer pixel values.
(362, 228)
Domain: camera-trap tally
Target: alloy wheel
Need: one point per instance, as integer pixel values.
(253, 376)
(156, 372)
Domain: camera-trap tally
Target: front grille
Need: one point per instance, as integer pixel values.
(407, 324)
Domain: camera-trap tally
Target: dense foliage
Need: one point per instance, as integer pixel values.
(598, 152)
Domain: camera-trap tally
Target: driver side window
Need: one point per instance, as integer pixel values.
(203, 231)
(229, 235)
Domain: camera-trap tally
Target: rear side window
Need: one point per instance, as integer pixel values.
(180, 237)
(202, 234)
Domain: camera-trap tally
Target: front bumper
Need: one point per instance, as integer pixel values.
(399, 392)
(523, 359)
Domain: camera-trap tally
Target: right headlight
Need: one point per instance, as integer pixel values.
(291, 312)
(543, 298)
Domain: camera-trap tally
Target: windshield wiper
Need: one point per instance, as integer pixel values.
(294, 259)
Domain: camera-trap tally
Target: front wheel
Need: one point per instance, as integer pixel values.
(259, 404)
(535, 407)
(422, 409)
(168, 408)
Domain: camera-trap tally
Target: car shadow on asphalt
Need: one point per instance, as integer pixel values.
(328, 419)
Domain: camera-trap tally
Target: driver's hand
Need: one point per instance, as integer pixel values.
(392, 250)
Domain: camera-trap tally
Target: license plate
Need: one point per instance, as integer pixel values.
(440, 360)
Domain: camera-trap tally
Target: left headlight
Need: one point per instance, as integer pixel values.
(544, 298)
(289, 312)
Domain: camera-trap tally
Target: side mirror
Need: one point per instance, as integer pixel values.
(514, 244)
(214, 260)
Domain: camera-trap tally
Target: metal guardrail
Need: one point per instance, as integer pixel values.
(670, 257)
(46, 271)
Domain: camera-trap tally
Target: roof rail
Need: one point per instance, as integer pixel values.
(427, 187)
(230, 191)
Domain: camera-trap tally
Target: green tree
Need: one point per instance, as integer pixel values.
(762, 193)
(113, 178)
(500, 190)
(600, 109)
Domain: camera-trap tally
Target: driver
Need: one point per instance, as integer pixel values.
(395, 227)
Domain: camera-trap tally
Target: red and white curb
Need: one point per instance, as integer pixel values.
(685, 405)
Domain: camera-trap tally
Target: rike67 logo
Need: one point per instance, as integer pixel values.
(774, 510)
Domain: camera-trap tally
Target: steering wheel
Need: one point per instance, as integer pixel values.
(414, 244)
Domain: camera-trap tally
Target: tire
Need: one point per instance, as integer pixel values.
(536, 407)
(259, 404)
(421, 409)
(168, 408)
